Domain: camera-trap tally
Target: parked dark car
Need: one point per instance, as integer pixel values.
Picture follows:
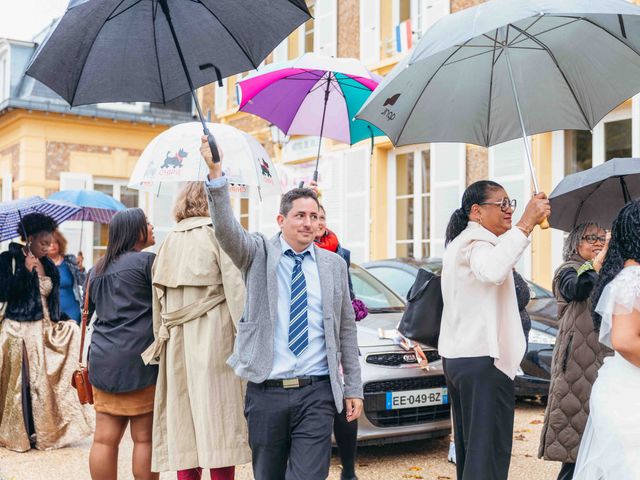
(534, 374)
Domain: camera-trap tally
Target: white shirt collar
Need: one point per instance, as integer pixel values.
(285, 246)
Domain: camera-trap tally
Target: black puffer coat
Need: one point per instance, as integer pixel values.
(20, 288)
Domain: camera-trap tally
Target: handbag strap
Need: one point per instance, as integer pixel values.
(85, 317)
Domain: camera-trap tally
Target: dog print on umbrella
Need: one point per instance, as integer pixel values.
(174, 161)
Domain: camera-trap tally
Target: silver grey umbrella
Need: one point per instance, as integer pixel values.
(511, 68)
(595, 195)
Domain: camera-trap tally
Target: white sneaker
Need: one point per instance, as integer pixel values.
(452, 453)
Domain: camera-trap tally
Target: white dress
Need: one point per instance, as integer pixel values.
(610, 447)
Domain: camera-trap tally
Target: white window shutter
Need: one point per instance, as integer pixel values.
(332, 197)
(7, 188)
(72, 229)
(281, 52)
(369, 31)
(355, 236)
(325, 37)
(448, 178)
(428, 12)
(221, 98)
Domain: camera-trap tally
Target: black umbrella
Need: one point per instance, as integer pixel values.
(595, 195)
(158, 50)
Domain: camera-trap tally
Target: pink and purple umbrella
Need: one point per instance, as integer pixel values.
(312, 95)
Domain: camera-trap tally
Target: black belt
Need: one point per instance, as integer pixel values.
(298, 382)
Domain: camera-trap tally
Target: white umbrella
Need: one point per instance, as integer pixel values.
(174, 156)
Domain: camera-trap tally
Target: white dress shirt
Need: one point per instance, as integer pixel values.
(313, 361)
(480, 315)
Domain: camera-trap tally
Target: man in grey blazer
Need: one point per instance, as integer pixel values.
(297, 329)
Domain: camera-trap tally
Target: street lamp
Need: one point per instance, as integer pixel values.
(278, 136)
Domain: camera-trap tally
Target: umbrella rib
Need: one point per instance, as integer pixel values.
(544, 31)
(155, 47)
(425, 88)
(230, 34)
(493, 64)
(527, 29)
(112, 16)
(93, 42)
(606, 30)
(566, 80)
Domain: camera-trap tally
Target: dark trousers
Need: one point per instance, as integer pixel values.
(290, 431)
(483, 402)
(346, 434)
(566, 472)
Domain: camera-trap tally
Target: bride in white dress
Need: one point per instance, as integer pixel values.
(610, 447)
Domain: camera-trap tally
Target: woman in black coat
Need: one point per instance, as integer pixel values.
(38, 352)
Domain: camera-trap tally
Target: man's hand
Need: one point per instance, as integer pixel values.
(353, 408)
(215, 169)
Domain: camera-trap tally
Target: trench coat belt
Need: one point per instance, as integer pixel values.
(151, 356)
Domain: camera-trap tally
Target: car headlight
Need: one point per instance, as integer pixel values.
(538, 336)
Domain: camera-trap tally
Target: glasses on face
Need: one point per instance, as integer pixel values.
(592, 238)
(505, 204)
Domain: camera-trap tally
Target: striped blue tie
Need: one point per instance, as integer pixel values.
(298, 321)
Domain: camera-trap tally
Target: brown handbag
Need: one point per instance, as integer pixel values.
(80, 379)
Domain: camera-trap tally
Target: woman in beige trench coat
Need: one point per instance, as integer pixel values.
(198, 297)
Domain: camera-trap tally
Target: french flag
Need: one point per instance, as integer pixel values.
(404, 36)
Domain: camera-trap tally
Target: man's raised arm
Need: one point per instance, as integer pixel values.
(234, 240)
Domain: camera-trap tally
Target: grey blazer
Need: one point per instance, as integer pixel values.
(258, 257)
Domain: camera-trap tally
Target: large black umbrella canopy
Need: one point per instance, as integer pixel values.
(158, 50)
(596, 194)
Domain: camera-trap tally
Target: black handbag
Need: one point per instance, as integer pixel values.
(423, 315)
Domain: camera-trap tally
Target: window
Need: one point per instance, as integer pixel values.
(6, 188)
(307, 33)
(398, 280)
(244, 213)
(119, 191)
(617, 139)
(578, 151)
(508, 167)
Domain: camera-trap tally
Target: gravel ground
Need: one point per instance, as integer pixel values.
(415, 460)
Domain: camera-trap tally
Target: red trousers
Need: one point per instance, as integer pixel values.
(224, 473)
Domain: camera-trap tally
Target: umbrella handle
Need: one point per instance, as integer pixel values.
(544, 224)
(212, 146)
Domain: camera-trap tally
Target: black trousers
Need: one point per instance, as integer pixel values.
(346, 434)
(290, 431)
(483, 402)
(566, 472)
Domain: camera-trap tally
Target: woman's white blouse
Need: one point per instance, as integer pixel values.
(480, 315)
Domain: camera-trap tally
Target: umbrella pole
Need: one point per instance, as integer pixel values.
(212, 143)
(545, 223)
(81, 230)
(324, 113)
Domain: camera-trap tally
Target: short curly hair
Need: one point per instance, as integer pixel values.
(35, 223)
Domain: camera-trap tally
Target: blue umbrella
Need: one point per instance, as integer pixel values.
(11, 213)
(95, 206)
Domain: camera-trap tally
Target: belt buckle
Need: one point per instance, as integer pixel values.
(290, 383)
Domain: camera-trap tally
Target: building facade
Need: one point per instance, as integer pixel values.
(387, 202)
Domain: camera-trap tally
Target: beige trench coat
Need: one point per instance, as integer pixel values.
(198, 414)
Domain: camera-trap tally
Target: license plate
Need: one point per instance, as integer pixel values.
(417, 398)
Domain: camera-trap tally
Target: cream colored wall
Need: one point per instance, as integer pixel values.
(541, 239)
(33, 130)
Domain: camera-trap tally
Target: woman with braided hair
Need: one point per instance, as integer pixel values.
(610, 447)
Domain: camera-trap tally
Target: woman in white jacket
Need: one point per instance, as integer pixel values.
(481, 337)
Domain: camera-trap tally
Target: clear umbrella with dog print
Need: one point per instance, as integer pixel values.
(174, 156)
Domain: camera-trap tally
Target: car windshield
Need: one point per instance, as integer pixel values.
(372, 292)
